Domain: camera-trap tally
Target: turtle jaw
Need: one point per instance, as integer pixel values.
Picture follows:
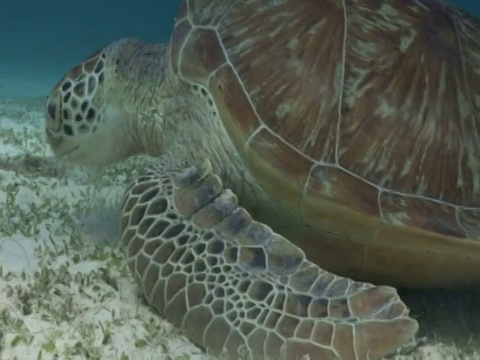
(93, 153)
(57, 145)
(97, 144)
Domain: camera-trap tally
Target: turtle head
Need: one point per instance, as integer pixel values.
(90, 113)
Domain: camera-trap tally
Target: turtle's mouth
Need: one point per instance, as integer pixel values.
(68, 152)
(57, 144)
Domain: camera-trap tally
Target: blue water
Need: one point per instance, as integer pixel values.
(41, 39)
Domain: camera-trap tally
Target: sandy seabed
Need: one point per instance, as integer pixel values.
(65, 292)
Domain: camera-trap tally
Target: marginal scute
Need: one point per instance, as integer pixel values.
(340, 203)
(233, 104)
(270, 157)
(469, 220)
(202, 54)
(418, 213)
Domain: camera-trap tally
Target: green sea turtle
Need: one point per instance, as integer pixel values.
(344, 130)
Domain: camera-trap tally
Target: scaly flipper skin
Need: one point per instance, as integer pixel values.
(234, 285)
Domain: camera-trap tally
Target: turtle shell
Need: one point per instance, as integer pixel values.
(360, 118)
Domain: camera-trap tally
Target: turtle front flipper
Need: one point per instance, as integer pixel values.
(235, 286)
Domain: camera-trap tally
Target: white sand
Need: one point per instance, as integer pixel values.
(59, 297)
(65, 292)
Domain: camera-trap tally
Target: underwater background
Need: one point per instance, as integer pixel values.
(42, 39)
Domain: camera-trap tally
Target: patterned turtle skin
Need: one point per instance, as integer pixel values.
(343, 130)
(241, 290)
